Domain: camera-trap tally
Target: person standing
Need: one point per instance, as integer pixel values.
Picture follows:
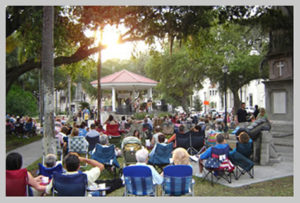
(241, 115)
(256, 111)
(86, 115)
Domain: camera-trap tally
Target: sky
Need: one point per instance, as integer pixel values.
(114, 49)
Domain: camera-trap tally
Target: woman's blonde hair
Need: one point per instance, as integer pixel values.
(180, 156)
(75, 132)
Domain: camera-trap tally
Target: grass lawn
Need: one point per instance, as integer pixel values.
(283, 187)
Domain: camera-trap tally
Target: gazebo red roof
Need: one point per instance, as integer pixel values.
(124, 76)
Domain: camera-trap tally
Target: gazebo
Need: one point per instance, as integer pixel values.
(125, 80)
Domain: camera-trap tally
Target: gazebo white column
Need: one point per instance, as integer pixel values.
(113, 99)
(150, 93)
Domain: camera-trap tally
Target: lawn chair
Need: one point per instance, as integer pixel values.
(69, 184)
(129, 151)
(79, 145)
(183, 140)
(138, 181)
(92, 142)
(49, 171)
(219, 165)
(242, 159)
(17, 183)
(106, 155)
(161, 156)
(197, 141)
(178, 180)
(112, 130)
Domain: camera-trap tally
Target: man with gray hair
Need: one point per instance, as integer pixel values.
(142, 159)
(103, 140)
(50, 160)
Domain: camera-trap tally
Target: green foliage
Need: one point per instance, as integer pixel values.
(177, 74)
(198, 104)
(140, 115)
(84, 104)
(20, 102)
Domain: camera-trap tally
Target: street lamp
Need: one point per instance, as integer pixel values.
(225, 70)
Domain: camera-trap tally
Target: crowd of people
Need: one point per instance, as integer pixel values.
(20, 126)
(154, 131)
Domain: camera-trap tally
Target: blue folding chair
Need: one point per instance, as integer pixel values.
(69, 184)
(49, 171)
(138, 181)
(106, 155)
(92, 142)
(178, 180)
(161, 156)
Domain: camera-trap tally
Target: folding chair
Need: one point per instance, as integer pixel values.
(219, 165)
(49, 171)
(196, 142)
(92, 142)
(112, 130)
(183, 140)
(106, 155)
(138, 181)
(178, 180)
(242, 159)
(129, 151)
(161, 156)
(69, 184)
(79, 145)
(17, 182)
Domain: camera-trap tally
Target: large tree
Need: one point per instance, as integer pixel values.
(48, 80)
(178, 74)
(241, 48)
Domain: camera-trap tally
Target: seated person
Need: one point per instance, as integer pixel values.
(93, 132)
(221, 144)
(180, 156)
(72, 165)
(161, 140)
(51, 161)
(100, 128)
(14, 162)
(123, 125)
(142, 159)
(243, 138)
(173, 138)
(63, 133)
(82, 129)
(103, 140)
(111, 120)
(242, 153)
(158, 132)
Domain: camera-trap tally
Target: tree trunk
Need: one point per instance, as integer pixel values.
(48, 80)
(69, 97)
(236, 100)
(99, 81)
(41, 98)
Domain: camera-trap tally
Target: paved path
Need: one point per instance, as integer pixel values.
(30, 152)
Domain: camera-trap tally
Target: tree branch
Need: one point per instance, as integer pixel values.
(15, 72)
